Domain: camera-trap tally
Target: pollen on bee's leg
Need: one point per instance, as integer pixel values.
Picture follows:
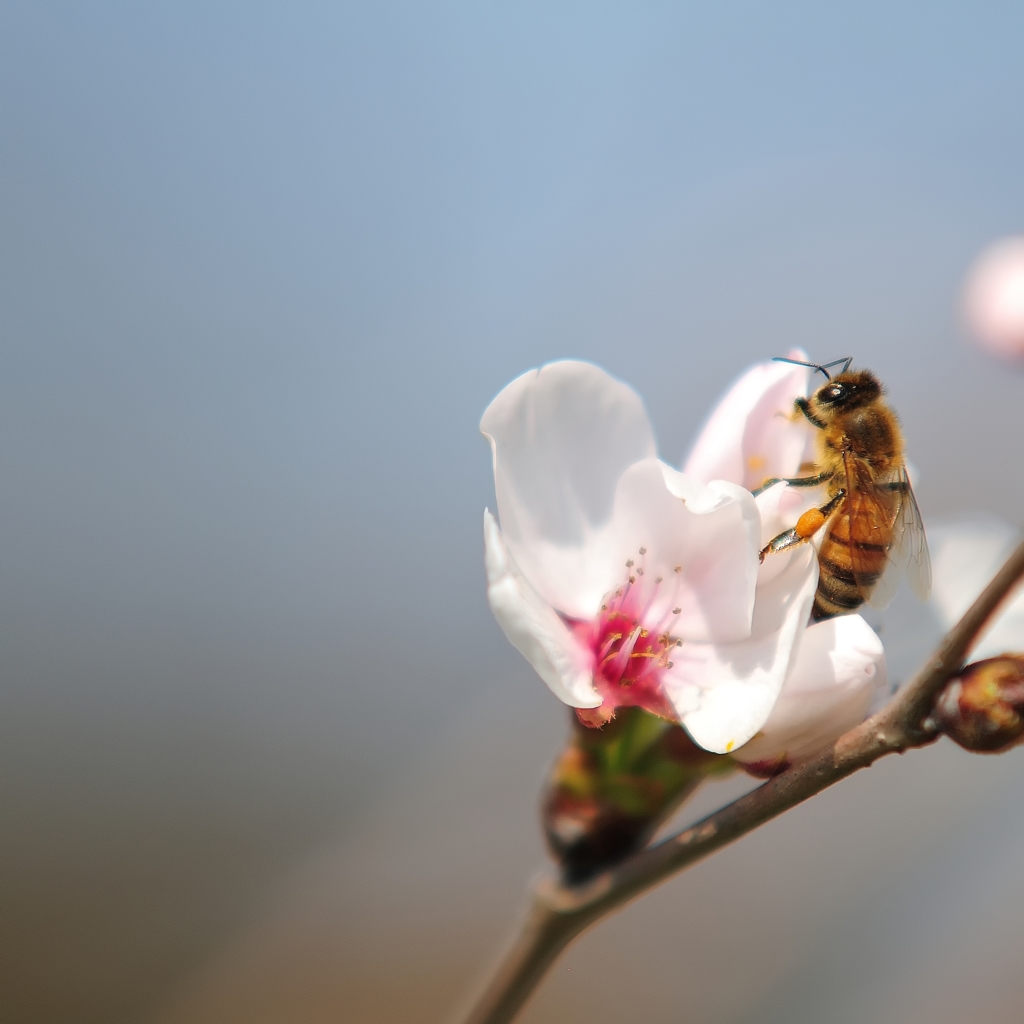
(809, 523)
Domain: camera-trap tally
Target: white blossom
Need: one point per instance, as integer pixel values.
(624, 581)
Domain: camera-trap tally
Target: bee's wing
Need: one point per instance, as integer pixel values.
(909, 544)
(884, 513)
(873, 510)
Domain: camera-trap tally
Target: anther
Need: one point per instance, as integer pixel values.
(639, 572)
(676, 611)
(629, 563)
(643, 551)
(678, 568)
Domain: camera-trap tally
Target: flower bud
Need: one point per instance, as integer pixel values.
(613, 786)
(983, 709)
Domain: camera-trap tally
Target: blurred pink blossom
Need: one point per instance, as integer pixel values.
(994, 298)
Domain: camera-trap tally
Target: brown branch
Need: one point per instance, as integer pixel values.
(560, 912)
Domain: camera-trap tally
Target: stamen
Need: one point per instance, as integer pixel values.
(621, 660)
(630, 644)
(607, 646)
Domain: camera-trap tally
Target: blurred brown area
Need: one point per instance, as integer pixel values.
(123, 866)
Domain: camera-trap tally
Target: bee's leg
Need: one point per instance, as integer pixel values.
(789, 539)
(799, 481)
(803, 406)
(806, 527)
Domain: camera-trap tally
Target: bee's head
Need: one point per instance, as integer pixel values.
(848, 390)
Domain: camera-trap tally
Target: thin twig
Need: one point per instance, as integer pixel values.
(560, 912)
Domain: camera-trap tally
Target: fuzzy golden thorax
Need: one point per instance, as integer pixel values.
(852, 417)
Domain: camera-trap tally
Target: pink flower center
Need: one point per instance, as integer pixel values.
(630, 652)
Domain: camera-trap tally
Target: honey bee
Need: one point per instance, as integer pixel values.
(874, 532)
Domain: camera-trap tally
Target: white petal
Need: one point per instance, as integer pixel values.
(750, 435)
(965, 557)
(724, 693)
(561, 437)
(836, 675)
(699, 550)
(534, 628)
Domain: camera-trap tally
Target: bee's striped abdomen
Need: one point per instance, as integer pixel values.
(838, 589)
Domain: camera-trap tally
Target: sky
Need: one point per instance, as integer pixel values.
(263, 266)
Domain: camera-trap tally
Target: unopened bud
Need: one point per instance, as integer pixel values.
(613, 786)
(983, 709)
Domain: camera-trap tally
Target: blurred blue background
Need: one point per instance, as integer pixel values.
(262, 267)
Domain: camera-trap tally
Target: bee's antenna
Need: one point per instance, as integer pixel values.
(823, 368)
(846, 360)
(800, 362)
